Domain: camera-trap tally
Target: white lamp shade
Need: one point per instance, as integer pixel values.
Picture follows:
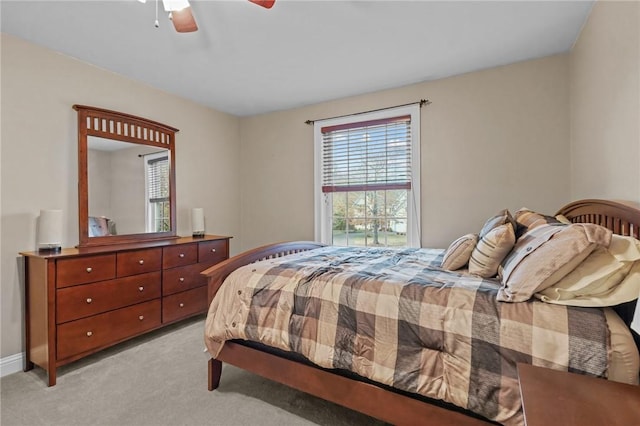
(50, 232)
(175, 5)
(197, 221)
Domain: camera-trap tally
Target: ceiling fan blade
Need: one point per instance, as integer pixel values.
(184, 21)
(267, 4)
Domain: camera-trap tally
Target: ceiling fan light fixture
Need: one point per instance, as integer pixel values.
(182, 17)
(175, 5)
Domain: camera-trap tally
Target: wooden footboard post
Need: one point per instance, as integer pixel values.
(215, 371)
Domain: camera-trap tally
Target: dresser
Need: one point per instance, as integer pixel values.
(82, 300)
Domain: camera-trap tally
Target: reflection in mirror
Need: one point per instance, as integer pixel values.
(128, 188)
(126, 178)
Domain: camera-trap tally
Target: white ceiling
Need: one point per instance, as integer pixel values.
(248, 60)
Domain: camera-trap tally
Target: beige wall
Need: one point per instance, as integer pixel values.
(99, 182)
(39, 157)
(605, 104)
(491, 139)
(116, 186)
(128, 198)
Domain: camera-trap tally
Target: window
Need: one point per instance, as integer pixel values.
(157, 188)
(367, 178)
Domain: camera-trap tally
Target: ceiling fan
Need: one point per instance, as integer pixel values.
(182, 17)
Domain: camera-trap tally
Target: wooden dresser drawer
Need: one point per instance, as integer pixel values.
(85, 334)
(184, 304)
(213, 251)
(138, 261)
(82, 300)
(183, 278)
(86, 269)
(180, 255)
(91, 299)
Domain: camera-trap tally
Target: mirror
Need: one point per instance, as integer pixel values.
(126, 180)
(128, 188)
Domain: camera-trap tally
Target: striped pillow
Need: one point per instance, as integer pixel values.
(544, 255)
(527, 219)
(504, 216)
(459, 252)
(491, 249)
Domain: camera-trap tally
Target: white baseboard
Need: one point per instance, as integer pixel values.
(11, 364)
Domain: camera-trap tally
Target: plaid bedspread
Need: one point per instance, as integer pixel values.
(395, 317)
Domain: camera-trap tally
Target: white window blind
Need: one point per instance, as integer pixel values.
(157, 189)
(367, 178)
(367, 156)
(158, 179)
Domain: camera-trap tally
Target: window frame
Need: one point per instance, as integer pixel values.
(149, 211)
(323, 201)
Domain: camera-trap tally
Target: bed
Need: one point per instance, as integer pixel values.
(449, 379)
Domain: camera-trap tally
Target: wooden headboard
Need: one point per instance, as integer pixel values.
(621, 217)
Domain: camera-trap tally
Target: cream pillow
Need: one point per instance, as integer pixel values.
(544, 255)
(459, 252)
(594, 281)
(491, 250)
(627, 290)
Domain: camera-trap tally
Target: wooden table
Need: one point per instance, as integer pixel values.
(551, 397)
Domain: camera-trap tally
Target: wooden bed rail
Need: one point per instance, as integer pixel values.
(372, 400)
(217, 273)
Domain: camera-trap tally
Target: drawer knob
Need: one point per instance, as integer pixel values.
(89, 300)
(141, 262)
(140, 288)
(181, 255)
(213, 250)
(89, 270)
(181, 279)
(182, 305)
(89, 333)
(141, 317)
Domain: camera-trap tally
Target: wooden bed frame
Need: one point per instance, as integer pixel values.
(381, 402)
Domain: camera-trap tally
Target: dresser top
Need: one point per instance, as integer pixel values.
(70, 252)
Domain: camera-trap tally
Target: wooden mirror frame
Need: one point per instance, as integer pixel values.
(123, 127)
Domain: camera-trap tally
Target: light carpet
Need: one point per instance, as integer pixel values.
(160, 379)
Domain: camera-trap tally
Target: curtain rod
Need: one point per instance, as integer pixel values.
(421, 102)
(151, 153)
